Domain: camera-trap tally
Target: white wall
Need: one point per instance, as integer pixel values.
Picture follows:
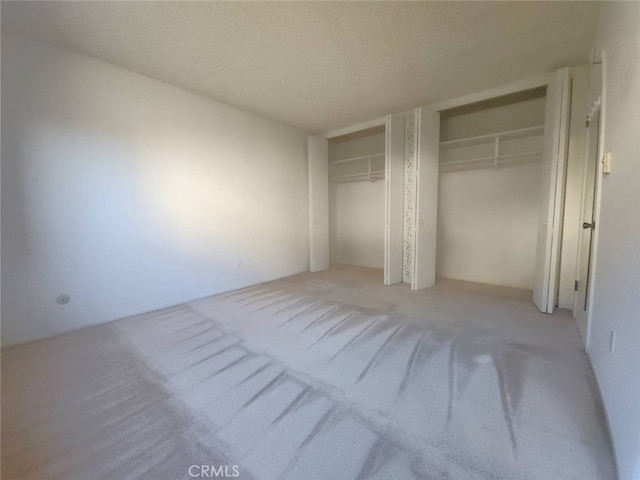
(616, 303)
(487, 222)
(130, 194)
(356, 209)
(357, 221)
(572, 219)
(487, 218)
(469, 121)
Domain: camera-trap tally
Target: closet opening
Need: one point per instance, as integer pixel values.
(357, 199)
(489, 185)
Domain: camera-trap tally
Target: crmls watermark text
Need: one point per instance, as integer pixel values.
(213, 471)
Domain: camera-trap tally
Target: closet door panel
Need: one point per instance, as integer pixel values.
(394, 196)
(552, 191)
(318, 204)
(427, 158)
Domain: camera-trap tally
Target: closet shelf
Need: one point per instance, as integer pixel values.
(355, 159)
(359, 177)
(519, 133)
(487, 162)
(364, 161)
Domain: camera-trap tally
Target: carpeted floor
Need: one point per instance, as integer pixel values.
(316, 376)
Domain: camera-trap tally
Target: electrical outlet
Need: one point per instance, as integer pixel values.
(612, 341)
(63, 299)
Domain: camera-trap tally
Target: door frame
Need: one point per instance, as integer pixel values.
(527, 84)
(597, 102)
(391, 267)
(426, 198)
(318, 166)
(394, 198)
(549, 235)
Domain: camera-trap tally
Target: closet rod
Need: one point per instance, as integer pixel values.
(492, 158)
(358, 177)
(505, 134)
(354, 159)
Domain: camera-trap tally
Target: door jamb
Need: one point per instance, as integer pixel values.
(598, 103)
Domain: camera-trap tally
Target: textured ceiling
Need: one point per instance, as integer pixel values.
(319, 66)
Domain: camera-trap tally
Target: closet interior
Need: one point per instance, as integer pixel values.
(489, 190)
(357, 198)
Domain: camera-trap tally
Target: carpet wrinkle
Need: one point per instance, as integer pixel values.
(378, 456)
(221, 336)
(202, 360)
(261, 298)
(242, 291)
(470, 357)
(255, 373)
(266, 389)
(163, 315)
(317, 429)
(246, 426)
(170, 319)
(244, 358)
(275, 450)
(192, 336)
(505, 400)
(325, 315)
(327, 375)
(211, 374)
(294, 304)
(279, 300)
(452, 378)
(411, 363)
(333, 328)
(186, 327)
(284, 299)
(353, 340)
(293, 406)
(199, 392)
(299, 314)
(513, 370)
(215, 354)
(379, 352)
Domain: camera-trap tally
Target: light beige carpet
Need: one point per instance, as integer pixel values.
(317, 376)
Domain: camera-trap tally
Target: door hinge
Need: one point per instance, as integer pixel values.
(575, 286)
(587, 124)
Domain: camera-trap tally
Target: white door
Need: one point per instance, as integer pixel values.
(588, 225)
(554, 155)
(318, 204)
(394, 197)
(427, 157)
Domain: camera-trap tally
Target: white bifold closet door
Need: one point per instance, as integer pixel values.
(318, 204)
(554, 154)
(426, 221)
(394, 198)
